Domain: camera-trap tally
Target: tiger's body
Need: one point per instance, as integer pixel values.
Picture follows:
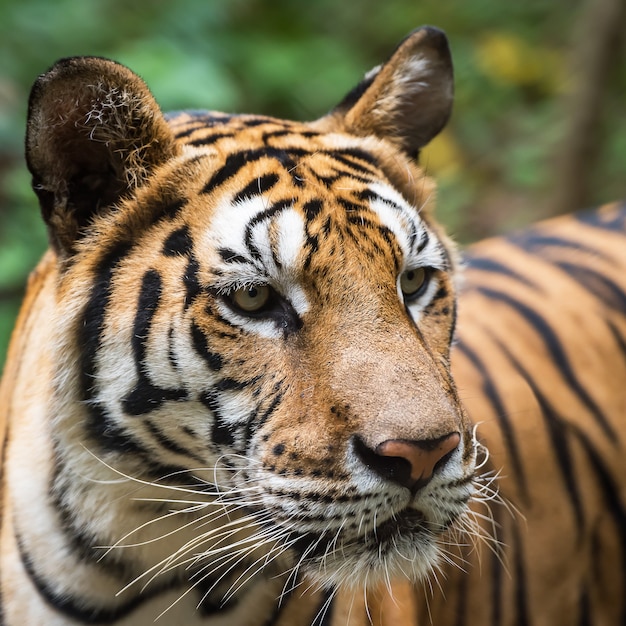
(228, 398)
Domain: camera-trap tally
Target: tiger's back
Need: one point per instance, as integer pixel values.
(541, 366)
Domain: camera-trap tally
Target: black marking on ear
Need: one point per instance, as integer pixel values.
(355, 94)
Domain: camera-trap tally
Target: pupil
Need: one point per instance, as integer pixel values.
(253, 292)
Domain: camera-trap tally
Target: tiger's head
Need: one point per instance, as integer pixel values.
(258, 309)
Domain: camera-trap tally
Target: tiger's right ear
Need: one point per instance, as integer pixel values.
(406, 100)
(94, 133)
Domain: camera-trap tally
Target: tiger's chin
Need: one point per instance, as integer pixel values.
(403, 547)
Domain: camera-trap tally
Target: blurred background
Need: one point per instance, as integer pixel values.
(539, 126)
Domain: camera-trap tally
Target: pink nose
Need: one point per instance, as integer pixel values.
(422, 456)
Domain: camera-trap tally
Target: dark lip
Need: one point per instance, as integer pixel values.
(404, 523)
(407, 522)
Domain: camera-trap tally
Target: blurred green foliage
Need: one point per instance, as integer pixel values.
(297, 58)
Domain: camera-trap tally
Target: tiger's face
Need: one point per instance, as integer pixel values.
(266, 308)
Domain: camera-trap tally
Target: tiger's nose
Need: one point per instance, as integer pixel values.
(408, 463)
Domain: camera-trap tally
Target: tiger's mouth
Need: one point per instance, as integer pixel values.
(408, 525)
(405, 545)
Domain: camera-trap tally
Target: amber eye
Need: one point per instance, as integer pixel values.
(251, 299)
(413, 282)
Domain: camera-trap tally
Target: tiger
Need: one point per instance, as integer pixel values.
(253, 382)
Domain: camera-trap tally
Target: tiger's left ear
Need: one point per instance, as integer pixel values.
(408, 99)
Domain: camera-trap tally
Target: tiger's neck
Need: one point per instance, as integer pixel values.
(61, 566)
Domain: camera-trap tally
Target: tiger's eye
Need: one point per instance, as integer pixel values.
(413, 282)
(251, 299)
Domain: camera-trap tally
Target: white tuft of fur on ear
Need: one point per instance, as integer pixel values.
(408, 99)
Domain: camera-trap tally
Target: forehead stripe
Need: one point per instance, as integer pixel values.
(259, 185)
(350, 157)
(267, 214)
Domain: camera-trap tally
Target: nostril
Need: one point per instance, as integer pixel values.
(407, 462)
(395, 469)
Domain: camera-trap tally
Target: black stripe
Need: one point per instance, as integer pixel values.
(166, 442)
(169, 208)
(499, 572)
(619, 338)
(535, 241)
(221, 432)
(207, 140)
(256, 421)
(312, 209)
(324, 612)
(256, 187)
(199, 118)
(522, 617)
(191, 282)
(236, 161)
(268, 213)
(461, 584)
(145, 396)
(611, 491)
(178, 243)
(285, 132)
(147, 305)
(585, 616)
(78, 608)
(213, 359)
(89, 336)
(557, 352)
(491, 392)
(613, 221)
(485, 264)
(230, 256)
(558, 433)
(607, 291)
(352, 157)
